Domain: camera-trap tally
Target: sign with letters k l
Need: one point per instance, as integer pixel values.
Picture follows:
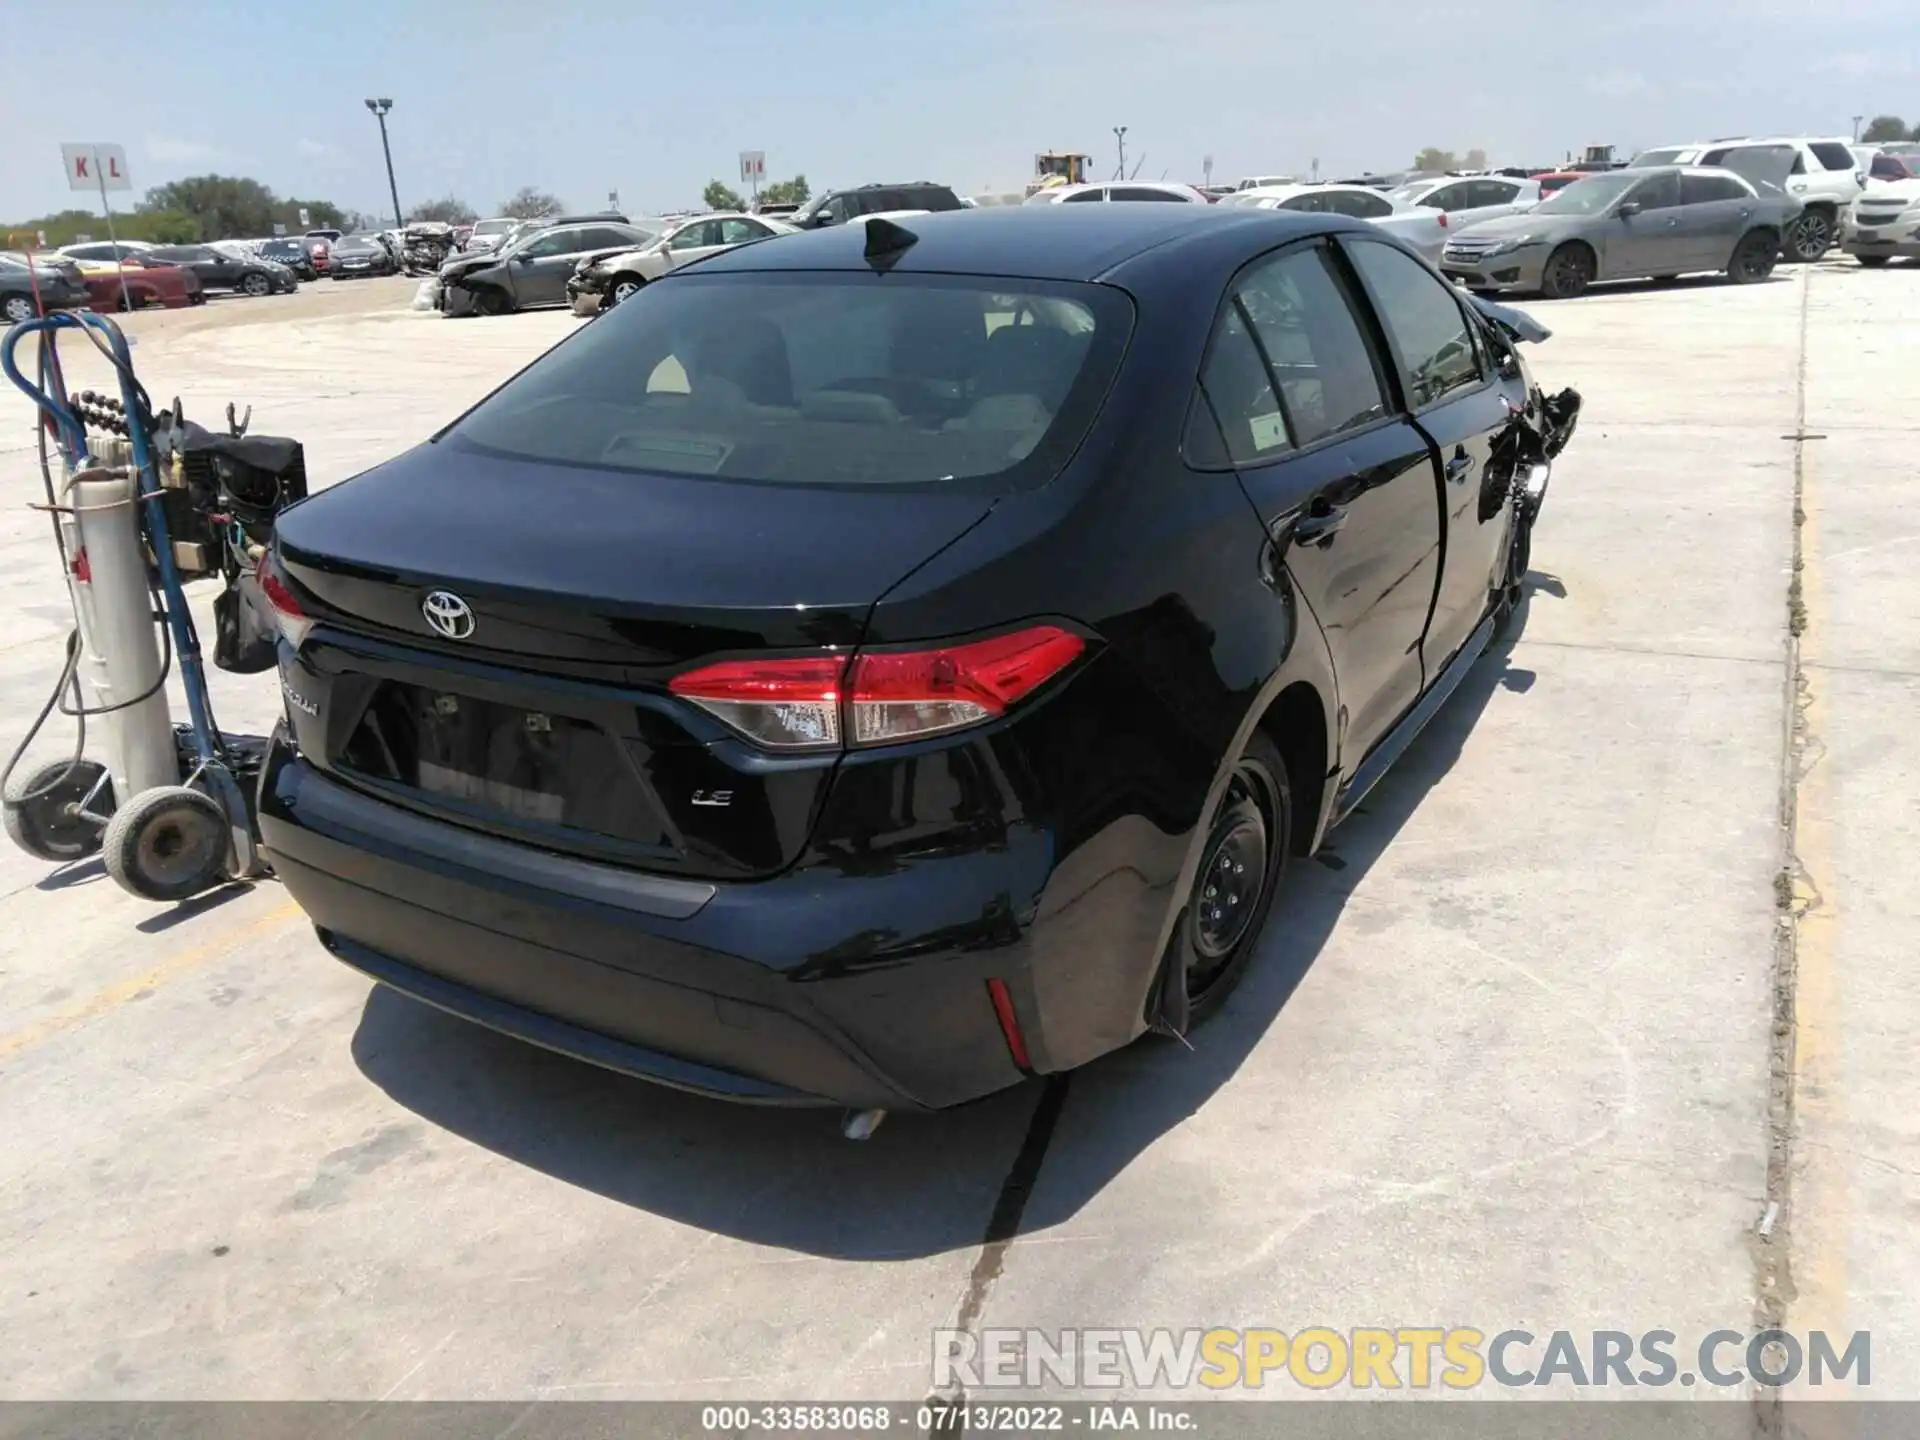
(96, 167)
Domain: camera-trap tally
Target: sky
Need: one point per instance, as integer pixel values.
(653, 100)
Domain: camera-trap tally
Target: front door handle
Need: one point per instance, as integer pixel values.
(1319, 525)
(1459, 465)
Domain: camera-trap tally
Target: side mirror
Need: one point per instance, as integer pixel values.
(526, 257)
(1629, 210)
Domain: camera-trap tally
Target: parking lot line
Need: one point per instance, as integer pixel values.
(223, 943)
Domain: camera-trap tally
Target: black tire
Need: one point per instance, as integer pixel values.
(1753, 258)
(42, 811)
(1872, 262)
(1568, 272)
(17, 308)
(489, 301)
(1809, 237)
(622, 287)
(256, 284)
(1484, 293)
(1251, 830)
(167, 844)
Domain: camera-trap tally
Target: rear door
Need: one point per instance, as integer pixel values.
(1293, 397)
(1715, 211)
(1450, 390)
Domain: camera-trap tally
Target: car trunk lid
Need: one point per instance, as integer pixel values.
(493, 641)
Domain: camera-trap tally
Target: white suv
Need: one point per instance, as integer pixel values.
(1827, 178)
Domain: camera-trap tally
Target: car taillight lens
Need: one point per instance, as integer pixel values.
(294, 622)
(881, 698)
(1443, 219)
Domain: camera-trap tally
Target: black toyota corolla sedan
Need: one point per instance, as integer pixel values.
(875, 665)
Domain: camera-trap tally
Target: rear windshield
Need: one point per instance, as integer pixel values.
(1656, 157)
(841, 378)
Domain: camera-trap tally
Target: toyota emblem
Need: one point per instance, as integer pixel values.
(447, 613)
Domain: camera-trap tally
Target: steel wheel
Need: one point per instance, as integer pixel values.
(625, 288)
(18, 308)
(256, 285)
(1240, 869)
(1809, 237)
(1568, 272)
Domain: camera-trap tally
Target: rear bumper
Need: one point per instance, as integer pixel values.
(815, 987)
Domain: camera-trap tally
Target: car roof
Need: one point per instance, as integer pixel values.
(1040, 242)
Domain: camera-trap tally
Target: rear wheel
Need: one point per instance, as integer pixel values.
(168, 843)
(1809, 237)
(1241, 867)
(1753, 258)
(1569, 270)
(43, 812)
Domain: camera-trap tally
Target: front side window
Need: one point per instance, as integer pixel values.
(836, 378)
(693, 237)
(1706, 189)
(1360, 204)
(739, 232)
(554, 242)
(1492, 192)
(1080, 197)
(1423, 319)
(1447, 197)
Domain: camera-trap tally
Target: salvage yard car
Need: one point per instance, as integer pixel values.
(880, 665)
(1423, 228)
(217, 270)
(1884, 224)
(1636, 224)
(28, 285)
(602, 281)
(355, 257)
(532, 269)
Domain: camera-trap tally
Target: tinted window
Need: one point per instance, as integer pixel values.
(1080, 197)
(1655, 157)
(1239, 394)
(1660, 192)
(1833, 155)
(1492, 192)
(553, 242)
(1423, 318)
(1447, 197)
(1886, 167)
(821, 379)
(1312, 200)
(1303, 321)
(1142, 192)
(1359, 204)
(1705, 189)
(931, 197)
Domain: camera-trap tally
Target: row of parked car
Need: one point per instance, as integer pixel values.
(1732, 206)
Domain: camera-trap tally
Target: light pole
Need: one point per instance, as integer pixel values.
(1856, 128)
(1120, 135)
(380, 109)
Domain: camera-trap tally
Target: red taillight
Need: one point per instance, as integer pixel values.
(901, 696)
(294, 622)
(1443, 219)
(1009, 1022)
(788, 704)
(885, 696)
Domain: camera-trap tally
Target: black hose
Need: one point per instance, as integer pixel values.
(67, 677)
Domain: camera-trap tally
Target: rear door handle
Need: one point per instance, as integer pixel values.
(1459, 465)
(1319, 525)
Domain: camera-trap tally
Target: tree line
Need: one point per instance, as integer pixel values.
(1888, 129)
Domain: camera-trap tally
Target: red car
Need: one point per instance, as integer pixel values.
(321, 251)
(144, 282)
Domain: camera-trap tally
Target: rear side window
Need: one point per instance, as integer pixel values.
(1705, 189)
(1141, 192)
(1082, 197)
(822, 378)
(1424, 320)
(1657, 157)
(932, 197)
(1287, 366)
(1833, 155)
(1491, 192)
(1661, 192)
(1448, 197)
(1359, 205)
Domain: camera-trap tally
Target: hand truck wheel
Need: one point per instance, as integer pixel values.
(168, 843)
(42, 811)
